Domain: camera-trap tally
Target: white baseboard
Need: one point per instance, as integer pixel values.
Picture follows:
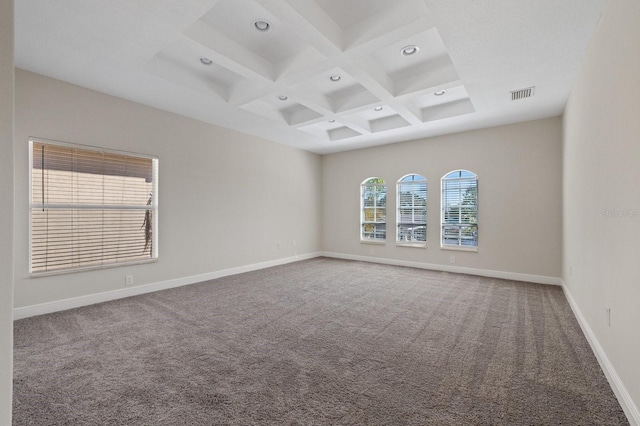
(626, 402)
(76, 302)
(539, 279)
(91, 299)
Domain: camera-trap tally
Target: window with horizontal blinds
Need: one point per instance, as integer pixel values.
(373, 220)
(412, 210)
(460, 209)
(91, 207)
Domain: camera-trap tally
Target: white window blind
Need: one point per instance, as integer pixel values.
(91, 207)
(412, 210)
(460, 209)
(373, 221)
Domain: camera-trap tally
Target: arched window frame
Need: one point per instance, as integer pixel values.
(459, 210)
(411, 216)
(373, 210)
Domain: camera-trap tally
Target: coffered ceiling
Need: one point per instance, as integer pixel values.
(320, 75)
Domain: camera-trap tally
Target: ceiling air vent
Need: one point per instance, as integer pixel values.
(522, 93)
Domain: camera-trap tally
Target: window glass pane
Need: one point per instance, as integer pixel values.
(373, 216)
(460, 209)
(412, 209)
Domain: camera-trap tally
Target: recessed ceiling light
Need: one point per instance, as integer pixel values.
(206, 61)
(335, 77)
(262, 25)
(409, 50)
(440, 92)
(282, 97)
(378, 108)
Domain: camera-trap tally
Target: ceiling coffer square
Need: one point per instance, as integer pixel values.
(522, 93)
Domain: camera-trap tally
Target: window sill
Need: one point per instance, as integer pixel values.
(374, 242)
(91, 268)
(413, 245)
(459, 248)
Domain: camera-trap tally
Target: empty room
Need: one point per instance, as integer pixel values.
(319, 212)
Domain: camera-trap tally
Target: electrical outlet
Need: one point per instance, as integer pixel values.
(278, 245)
(608, 311)
(452, 259)
(128, 280)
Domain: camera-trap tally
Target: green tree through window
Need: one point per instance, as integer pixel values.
(373, 219)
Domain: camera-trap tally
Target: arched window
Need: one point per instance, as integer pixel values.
(412, 210)
(460, 210)
(373, 220)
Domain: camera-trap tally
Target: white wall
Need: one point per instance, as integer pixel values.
(6, 209)
(225, 198)
(519, 179)
(601, 191)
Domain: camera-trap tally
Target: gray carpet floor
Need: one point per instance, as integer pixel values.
(317, 342)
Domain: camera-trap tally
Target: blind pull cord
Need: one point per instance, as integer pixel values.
(42, 177)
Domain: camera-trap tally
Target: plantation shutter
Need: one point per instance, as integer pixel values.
(90, 207)
(460, 209)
